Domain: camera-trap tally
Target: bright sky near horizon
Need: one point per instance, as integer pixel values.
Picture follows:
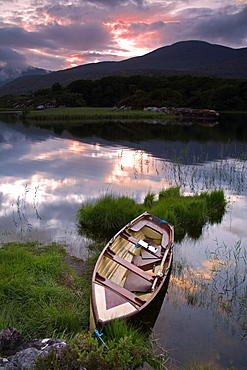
(58, 34)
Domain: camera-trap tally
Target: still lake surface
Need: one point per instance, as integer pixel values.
(46, 176)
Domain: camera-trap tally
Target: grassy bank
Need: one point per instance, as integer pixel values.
(90, 114)
(42, 296)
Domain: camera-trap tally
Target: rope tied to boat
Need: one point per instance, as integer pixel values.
(99, 335)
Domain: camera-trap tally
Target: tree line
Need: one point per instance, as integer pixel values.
(172, 91)
(142, 91)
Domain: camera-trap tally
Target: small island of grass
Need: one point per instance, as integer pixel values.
(188, 214)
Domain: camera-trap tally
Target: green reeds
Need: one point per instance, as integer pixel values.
(106, 216)
(196, 366)
(187, 213)
(149, 200)
(221, 287)
(215, 202)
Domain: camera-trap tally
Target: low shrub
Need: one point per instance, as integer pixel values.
(125, 348)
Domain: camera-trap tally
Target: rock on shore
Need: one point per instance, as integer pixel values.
(23, 355)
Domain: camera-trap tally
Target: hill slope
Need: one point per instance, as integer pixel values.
(197, 58)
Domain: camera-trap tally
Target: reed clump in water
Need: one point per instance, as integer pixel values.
(188, 214)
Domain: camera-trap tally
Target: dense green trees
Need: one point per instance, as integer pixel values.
(142, 91)
(172, 91)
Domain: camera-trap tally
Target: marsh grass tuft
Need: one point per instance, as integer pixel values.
(188, 214)
(215, 202)
(149, 200)
(196, 366)
(107, 215)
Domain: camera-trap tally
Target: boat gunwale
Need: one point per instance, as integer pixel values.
(168, 247)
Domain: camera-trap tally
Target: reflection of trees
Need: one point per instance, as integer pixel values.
(231, 126)
(220, 287)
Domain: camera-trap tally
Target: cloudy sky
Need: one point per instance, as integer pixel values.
(58, 34)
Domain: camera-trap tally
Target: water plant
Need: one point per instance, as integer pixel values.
(196, 366)
(104, 217)
(20, 207)
(149, 200)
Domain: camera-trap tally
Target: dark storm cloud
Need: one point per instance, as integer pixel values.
(12, 57)
(226, 28)
(78, 37)
(17, 37)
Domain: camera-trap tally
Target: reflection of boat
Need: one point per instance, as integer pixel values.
(132, 269)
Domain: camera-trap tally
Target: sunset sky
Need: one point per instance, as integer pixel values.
(53, 34)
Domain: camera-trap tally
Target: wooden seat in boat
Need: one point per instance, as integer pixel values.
(124, 292)
(129, 265)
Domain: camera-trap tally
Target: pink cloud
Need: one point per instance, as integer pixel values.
(48, 34)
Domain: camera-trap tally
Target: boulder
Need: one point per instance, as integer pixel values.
(10, 340)
(25, 359)
(22, 355)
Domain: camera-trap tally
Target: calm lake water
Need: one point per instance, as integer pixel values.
(46, 176)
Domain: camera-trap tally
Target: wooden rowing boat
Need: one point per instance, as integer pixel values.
(131, 269)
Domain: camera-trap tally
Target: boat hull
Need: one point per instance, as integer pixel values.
(131, 270)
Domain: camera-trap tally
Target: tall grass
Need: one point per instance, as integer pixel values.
(106, 216)
(39, 293)
(220, 287)
(188, 214)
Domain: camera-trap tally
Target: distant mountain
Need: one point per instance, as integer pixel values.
(197, 58)
(8, 75)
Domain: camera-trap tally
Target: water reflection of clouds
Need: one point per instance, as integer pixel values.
(57, 170)
(52, 177)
